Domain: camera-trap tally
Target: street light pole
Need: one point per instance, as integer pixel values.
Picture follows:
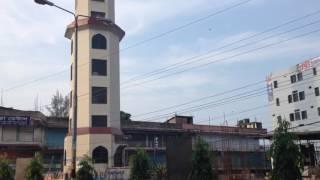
(75, 94)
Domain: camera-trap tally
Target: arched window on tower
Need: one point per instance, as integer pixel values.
(99, 42)
(100, 155)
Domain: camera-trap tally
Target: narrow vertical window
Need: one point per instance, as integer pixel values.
(291, 116)
(315, 71)
(316, 91)
(71, 72)
(302, 95)
(278, 102)
(304, 115)
(275, 84)
(65, 157)
(295, 96)
(71, 48)
(300, 76)
(293, 78)
(297, 116)
(70, 99)
(318, 111)
(290, 99)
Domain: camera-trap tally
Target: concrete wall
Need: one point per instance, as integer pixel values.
(21, 165)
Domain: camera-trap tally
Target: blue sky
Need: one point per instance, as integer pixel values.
(32, 46)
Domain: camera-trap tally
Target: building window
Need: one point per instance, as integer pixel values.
(290, 99)
(65, 157)
(70, 99)
(99, 121)
(99, 67)
(315, 71)
(99, 0)
(275, 84)
(99, 95)
(297, 116)
(291, 116)
(98, 15)
(295, 96)
(71, 48)
(71, 72)
(278, 102)
(70, 124)
(300, 76)
(304, 115)
(318, 111)
(302, 95)
(99, 42)
(316, 91)
(293, 78)
(100, 155)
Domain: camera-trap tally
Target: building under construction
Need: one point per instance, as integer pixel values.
(238, 152)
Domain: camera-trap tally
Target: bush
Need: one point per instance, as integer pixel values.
(159, 172)
(35, 169)
(140, 166)
(6, 172)
(202, 162)
(86, 170)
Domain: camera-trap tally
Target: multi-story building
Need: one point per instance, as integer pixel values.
(237, 150)
(98, 85)
(22, 133)
(294, 95)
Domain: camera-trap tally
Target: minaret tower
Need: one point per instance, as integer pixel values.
(98, 87)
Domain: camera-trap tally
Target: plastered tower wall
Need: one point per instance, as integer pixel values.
(99, 28)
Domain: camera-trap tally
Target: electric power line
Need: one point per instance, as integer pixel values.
(139, 43)
(224, 59)
(164, 69)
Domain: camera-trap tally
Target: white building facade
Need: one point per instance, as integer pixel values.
(294, 95)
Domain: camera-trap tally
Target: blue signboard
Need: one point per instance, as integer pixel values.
(15, 120)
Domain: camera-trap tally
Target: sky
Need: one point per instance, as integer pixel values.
(35, 55)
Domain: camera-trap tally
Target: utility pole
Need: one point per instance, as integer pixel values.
(75, 97)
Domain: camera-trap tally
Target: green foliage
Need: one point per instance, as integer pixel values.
(6, 172)
(140, 166)
(201, 162)
(159, 172)
(287, 159)
(35, 169)
(86, 170)
(59, 106)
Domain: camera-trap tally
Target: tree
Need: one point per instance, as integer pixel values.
(35, 169)
(201, 162)
(287, 159)
(6, 172)
(59, 106)
(140, 166)
(159, 172)
(86, 170)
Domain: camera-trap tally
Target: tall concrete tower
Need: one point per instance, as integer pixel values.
(98, 87)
